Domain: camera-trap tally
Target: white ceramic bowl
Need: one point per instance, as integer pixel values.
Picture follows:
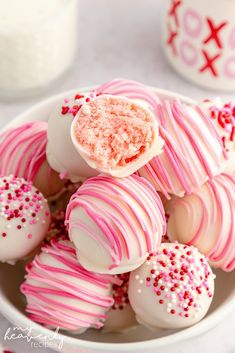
(138, 340)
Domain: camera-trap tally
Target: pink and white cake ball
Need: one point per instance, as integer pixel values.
(24, 218)
(61, 153)
(23, 154)
(115, 223)
(223, 117)
(115, 135)
(121, 317)
(61, 293)
(173, 289)
(206, 219)
(193, 151)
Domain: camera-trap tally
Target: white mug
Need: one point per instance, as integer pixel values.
(199, 41)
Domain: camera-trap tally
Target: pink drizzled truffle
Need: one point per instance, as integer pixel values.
(192, 154)
(120, 220)
(23, 154)
(206, 219)
(173, 289)
(61, 293)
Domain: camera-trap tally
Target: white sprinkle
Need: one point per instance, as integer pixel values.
(141, 281)
(137, 277)
(139, 291)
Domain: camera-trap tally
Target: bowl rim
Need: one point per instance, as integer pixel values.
(10, 311)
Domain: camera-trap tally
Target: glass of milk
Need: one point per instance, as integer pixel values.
(37, 44)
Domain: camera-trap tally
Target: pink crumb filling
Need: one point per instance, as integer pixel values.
(114, 131)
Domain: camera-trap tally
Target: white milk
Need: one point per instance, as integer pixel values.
(37, 43)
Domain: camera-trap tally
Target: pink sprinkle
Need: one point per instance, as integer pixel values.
(30, 236)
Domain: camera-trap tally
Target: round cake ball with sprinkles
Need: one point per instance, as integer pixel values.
(24, 218)
(61, 293)
(121, 316)
(173, 289)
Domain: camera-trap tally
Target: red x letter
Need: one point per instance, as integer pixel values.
(173, 10)
(214, 33)
(209, 65)
(171, 39)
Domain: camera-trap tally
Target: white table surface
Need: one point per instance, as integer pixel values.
(122, 39)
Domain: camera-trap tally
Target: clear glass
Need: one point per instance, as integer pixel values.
(37, 44)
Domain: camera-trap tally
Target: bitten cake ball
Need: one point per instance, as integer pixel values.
(115, 135)
(115, 223)
(23, 154)
(121, 316)
(24, 218)
(61, 153)
(205, 219)
(223, 117)
(193, 151)
(173, 289)
(61, 293)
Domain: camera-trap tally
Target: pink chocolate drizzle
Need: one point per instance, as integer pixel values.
(184, 175)
(45, 284)
(117, 195)
(23, 150)
(221, 254)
